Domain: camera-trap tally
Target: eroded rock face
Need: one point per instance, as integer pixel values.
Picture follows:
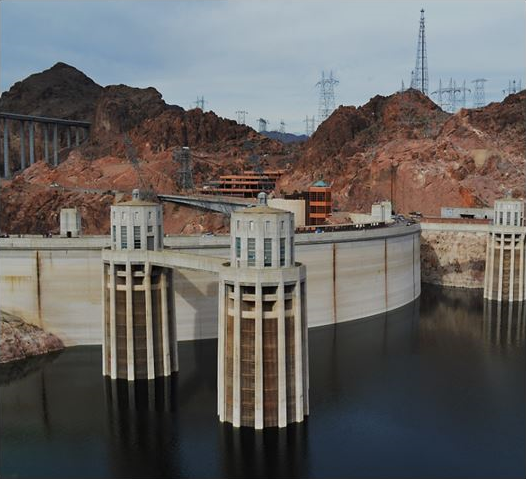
(453, 258)
(404, 148)
(19, 340)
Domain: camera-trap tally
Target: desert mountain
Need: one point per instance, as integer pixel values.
(401, 147)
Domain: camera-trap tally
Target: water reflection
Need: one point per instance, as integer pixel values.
(17, 370)
(274, 452)
(399, 394)
(504, 324)
(140, 432)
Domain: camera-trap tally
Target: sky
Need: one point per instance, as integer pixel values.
(265, 57)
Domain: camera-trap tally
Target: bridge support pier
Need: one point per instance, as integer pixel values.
(46, 142)
(77, 136)
(22, 146)
(55, 145)
(68, 136)
(31, 143)
(7, 170)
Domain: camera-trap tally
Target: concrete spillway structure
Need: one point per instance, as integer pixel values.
(505, 262)
(139, 335)
(262, 346)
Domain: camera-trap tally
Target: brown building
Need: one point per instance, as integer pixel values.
(320, 203)
(247, 185)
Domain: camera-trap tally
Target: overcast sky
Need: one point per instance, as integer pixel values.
(264, 57)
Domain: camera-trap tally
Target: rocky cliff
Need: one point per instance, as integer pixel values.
(89, 176)
(404, 148)
(453, 258)
(19, 339)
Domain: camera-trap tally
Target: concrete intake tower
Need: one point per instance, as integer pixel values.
(263, 376)
(139, 335)
(505, 262)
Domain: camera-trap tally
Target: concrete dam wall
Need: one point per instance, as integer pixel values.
(56, 283)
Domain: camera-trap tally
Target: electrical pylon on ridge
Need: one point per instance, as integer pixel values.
(420, 75)
(326, 100)
(183, 157)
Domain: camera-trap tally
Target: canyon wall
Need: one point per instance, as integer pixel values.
(453, 254)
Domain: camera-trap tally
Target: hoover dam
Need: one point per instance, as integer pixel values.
(56, 283)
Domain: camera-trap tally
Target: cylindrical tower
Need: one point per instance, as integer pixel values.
(262, 350)
(505, 261)
(139, 339)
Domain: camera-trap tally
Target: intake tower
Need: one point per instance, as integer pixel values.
(263, 377)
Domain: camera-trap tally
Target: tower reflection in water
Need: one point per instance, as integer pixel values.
(143, 427)
(504, 323)
(272, 452)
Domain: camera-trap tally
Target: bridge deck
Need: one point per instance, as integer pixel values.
(44, 119)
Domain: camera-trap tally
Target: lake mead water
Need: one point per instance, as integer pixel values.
(434, 389)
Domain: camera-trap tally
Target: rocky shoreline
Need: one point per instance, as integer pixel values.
(19, 340)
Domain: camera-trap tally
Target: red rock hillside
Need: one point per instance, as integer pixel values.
(404, 148)
(89, 177)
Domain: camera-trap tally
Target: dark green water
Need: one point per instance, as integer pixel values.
(436, 389)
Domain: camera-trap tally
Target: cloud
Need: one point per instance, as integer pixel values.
(263, 56)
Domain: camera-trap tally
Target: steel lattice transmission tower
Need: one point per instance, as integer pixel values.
(241, 116)
(327, 104)
(420, 75)
(514, 86)
(262, 124)
(309, 125)
(479, 96)
(282, 126)
(184, 159)
(200, 103)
